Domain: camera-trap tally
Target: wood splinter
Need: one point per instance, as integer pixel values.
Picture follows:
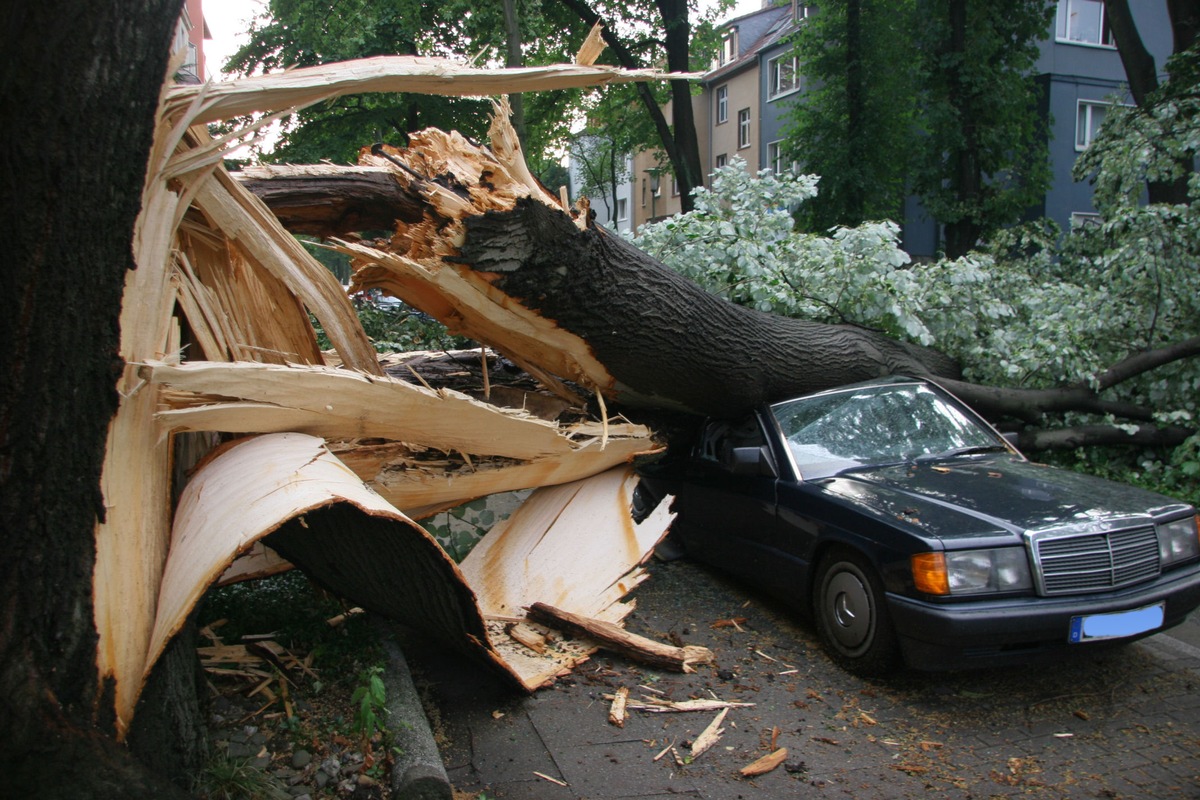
(617, 711)
(612, 637)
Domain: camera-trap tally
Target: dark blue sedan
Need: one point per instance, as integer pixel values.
(911, 530)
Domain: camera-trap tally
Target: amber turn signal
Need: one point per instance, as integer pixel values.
(929, 573)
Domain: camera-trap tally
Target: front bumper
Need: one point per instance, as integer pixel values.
(937, 636)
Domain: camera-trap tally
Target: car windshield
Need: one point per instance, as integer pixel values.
(876, 425)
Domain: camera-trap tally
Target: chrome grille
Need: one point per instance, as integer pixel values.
(1092, 562)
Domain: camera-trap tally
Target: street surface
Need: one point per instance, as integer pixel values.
(1122, 723)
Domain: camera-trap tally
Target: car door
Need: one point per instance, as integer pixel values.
(728, 510)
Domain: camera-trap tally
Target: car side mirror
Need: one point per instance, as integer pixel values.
(751, 461)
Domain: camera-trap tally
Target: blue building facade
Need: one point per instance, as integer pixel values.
(1079, 74)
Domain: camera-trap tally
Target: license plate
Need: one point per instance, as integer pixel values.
(1091, 627)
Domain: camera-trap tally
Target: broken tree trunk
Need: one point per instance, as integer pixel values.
(220, 284)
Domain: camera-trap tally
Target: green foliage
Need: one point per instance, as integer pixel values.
(854, 124)
(957, 124)
(396, 329)
(236, 779)
(982, 153)
(370, 703)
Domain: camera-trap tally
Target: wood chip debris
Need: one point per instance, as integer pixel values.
(765, 764)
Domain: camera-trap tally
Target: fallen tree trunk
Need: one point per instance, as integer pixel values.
(500, 260)
(600, 312)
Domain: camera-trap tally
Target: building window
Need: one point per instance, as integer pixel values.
(722, 104)
(729, 46)
(743, 128)
(1088, 120)
(674, 186)
(783, 74)
(643, 192)
(800, 11)
(1081, 219)
(776, 159)
(721, 160)
(1083, 22)
(622, 209)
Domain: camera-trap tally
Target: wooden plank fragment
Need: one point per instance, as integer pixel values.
(614, 637)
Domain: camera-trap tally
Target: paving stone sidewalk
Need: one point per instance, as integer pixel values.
(1124, 724)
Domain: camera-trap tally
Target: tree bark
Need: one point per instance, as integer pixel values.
(71, 186)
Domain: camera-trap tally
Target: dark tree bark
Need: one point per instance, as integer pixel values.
(1142, 73)
(79, 100)
(348, 202)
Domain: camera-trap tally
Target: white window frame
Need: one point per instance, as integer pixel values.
(1063, 28)
(1085, 128)
(775, 86)
(775, 153)
(1081, 218)
(721, 160)
(729, 46)
(743, 128)
(622, 209)
(722, 104)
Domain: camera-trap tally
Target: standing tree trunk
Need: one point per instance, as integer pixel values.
(72, 181)
(962, 233)
(512, 37)
(1142, 74)
(855, 112)
(689, 170)
(681, 143)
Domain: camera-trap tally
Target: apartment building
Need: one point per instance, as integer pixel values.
(747, 95)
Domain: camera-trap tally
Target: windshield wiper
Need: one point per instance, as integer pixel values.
(962, 451)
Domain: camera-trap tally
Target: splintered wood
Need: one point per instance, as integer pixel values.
(617, 639)
(216, 337)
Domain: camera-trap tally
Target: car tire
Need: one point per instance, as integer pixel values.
(851, 615)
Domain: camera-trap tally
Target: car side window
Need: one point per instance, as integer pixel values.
(719, 438)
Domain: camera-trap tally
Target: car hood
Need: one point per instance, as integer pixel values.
(995, 497)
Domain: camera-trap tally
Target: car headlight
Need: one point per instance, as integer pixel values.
(1178, 540)
(1002, 569)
